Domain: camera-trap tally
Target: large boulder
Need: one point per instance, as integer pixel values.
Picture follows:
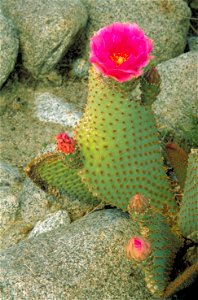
(9, 48)
(166, 22)
(176, 107)
(47, 29)
(84, 260)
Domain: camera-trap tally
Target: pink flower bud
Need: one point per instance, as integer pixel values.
(138, 249)
(138, 204)
(65, 143)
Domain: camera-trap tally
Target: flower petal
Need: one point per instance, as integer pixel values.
(120, 51)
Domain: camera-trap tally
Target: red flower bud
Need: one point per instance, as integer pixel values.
(65, 143)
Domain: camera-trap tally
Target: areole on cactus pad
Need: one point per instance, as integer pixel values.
(115, 156)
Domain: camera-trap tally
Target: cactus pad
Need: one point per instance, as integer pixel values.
(189, 208)
(164, 243)
(56, 174)
(119, 142)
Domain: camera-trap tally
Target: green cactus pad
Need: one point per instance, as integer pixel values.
(189, 209)
(164, 246)
(57, 174)
(119, 142)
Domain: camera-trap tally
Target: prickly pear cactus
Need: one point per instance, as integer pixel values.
(115, 154)
(188, 216)
(119, 142)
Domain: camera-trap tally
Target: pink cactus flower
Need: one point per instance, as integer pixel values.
(120, 51)
(138, 248)
(65, 143)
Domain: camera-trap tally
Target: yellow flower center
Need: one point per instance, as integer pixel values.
(119, 58)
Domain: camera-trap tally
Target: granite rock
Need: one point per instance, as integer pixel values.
(35, 204)
(50, 108)
(10, 176)
(52, 221)
(47, 30)
(176, 107)
(21, 209)
(9, 47)
(10, 183)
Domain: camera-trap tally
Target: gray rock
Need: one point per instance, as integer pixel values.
(8, 209)
(47, 29)
(85, 261)
(21, 209)
(166, 22)
(9, 48)
(10, 180)
(176, 107)
(10, 176)
(193, 43)
(50, 108)
(51, 222)
(35, 204)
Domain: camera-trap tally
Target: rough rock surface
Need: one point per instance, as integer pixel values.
(176, 107)
(85, 260)
(166, 22)
(35, 204)
(51, 222)
(21, 209)
(10, 176)
(47, 29)
(50, 108)
(8, 48)
(10, 181)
